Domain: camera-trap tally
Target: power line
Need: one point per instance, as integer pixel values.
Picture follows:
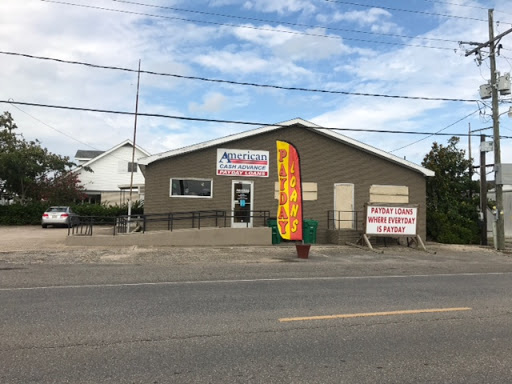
(362, 5)
(405, 10)
(11, 101)
(238, 122)
(438, 132)
(456, 4)
(281, 22)
(247, 26)
(469, 6)
(237, 82)
(58, 130)
(466, 6)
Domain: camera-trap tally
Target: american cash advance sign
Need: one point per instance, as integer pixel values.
(383, 220)
(242, 162)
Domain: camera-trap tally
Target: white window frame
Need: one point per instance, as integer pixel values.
(191, 196)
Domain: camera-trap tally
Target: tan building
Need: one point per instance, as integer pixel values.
(237, 175)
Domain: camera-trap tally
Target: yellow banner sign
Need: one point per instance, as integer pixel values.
(289, 212)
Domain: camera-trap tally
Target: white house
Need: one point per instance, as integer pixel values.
(111, 176)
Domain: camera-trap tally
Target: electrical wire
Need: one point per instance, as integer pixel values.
(247, 26)
(281, 22)
(467, 6)
(237, 82)
(438, 132)
(59, 131)
(238, 122)
(405, 10)
(362, 5)
(12, 103)
(456, 4)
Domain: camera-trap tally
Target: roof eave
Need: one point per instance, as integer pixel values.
(336, 136)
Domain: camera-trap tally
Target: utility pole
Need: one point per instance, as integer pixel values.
(483, 192)
(470, 163)
(133, 148)
(500, 215)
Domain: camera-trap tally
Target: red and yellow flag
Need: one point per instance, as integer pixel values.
(289, 211)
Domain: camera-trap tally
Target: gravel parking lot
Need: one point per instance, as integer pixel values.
(35, 245)
(31, 238)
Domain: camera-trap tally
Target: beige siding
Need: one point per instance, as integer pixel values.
(309, 191)
(324, 162)
(389, 194)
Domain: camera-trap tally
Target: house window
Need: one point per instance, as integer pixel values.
(198, 188)
(132, 167)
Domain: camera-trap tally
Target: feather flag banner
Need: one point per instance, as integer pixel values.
(289, 211)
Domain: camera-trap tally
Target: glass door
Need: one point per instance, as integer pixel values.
(241, 206)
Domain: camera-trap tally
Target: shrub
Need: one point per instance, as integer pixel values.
(30, 214)
(22, 214)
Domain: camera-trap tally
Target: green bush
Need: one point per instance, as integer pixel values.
(30, 214)
(452, 228)
(18, 214)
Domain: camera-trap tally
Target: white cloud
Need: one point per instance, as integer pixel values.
(366, 17)
(212, 102)
(240, 54)
(280, 6)
(294, 46)
(376, 18)
(245, 63)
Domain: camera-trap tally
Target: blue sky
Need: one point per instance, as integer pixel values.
(387, 47)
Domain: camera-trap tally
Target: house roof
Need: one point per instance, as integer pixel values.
(269, 128)
(106, 153)
(87, 155)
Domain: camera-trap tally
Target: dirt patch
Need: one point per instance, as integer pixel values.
(19, 238)
(35, 245)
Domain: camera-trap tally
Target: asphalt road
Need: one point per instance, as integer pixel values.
(241, 327)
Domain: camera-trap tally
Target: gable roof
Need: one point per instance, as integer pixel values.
(269, 128)
(110, 151)
(87, 155)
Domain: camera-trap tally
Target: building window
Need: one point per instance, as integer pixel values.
(132, 167)
(201, 188)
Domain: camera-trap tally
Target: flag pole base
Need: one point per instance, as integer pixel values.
(302, 250)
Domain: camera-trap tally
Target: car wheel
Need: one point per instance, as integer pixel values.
(44, 225)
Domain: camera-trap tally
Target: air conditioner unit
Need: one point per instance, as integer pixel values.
(485, 91)
(504, 84)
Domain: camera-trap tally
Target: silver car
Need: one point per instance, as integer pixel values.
(61, 215)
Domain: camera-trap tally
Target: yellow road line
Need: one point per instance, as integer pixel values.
(370, 314)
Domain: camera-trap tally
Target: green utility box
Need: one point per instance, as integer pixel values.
(309, 228)
(276, 236)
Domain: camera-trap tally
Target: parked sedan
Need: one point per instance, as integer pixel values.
(63, 216)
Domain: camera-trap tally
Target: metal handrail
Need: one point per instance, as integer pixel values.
(86, 225)
(334, 216)
(120, 223)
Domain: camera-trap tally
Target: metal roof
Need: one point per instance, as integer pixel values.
(297, 121)
(85, 154)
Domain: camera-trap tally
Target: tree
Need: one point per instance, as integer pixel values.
(31, 173)
(62, 189)
(452, 213)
